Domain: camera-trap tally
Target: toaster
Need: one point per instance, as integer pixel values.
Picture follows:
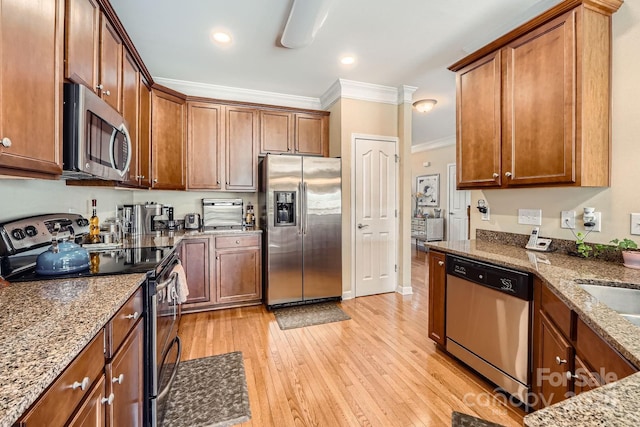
(192, 221)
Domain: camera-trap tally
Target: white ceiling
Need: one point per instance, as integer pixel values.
(403, 42)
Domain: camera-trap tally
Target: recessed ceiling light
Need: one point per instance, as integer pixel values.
(348, 60)
(220, 37)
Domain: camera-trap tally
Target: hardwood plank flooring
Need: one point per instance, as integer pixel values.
(377, 369)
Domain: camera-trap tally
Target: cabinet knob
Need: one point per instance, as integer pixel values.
(100, 87)
(507, 174)
(108, 400)
(440, 263)
(560, 361)
(155, 181)
(496, 174)
(218, 182)
(118, 379)
(570, 376)
(81, 385)
(237, 242)
(133, 316)
(6, 142)
(106, 92)
(288, 149)
(140, 177)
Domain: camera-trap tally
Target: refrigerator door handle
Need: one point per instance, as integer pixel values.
(306, 210)
(299, 207)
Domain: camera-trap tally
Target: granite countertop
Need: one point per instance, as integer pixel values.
(172, 238)
(45, 325)
(615, 404)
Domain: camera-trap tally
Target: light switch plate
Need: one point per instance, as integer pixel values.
(635, 223)
(568, 219)
(530, 216)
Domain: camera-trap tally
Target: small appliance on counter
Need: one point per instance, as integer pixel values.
(192, 221)
(222, 214)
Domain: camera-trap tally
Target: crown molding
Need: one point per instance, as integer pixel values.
(405, 94)
(361, 91)
(436, 143)
(206, 90)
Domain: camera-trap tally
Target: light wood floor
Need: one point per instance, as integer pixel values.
(377, 369)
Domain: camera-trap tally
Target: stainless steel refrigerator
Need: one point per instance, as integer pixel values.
(300, 199)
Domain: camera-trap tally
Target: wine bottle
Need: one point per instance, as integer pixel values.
(94, 224)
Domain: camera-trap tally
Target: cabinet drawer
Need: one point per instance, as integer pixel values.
(58, 403)
(124, 320)
(556, 310)
(236, 241)
(607, 363)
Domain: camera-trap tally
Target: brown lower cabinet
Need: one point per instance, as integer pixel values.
(569, 357)
(222, 271)
(437, 294)
(99, 391)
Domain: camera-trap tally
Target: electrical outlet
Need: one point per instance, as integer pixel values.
(530, 216)
(568, 219)
(635, 223)
(598, 222)
(485, 215)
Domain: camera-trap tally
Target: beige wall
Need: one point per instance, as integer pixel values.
(439, 158)
(623, 196)
(363, 117)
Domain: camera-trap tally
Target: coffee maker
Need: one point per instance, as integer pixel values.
(150, 213)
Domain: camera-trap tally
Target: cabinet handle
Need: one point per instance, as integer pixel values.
(440, 263)
(155, 181)
(106, 92)
(100, 87)
(237, 242)
(133, 316)
(570, 376)
(560, 361)
(435, 335)
(6, 142)
(507, 174)
(108, 400)
(82, 386)
(218, 182)
(288, 149)
(140, 177)
(118, 379)
(495, 174)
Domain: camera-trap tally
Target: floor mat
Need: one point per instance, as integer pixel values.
(211, 391)
(309, 315)
(459, 419)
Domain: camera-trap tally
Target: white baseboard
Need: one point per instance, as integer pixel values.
(347, 295)
(404, 290)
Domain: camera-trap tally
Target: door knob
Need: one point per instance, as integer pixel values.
(361, 226)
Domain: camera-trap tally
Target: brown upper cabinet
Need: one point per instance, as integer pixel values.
(283, 132)
(144, 136)
(167, 135)
(131, 111)
(32, 36)
(241, 144)
(94, 51)
(204, 145)
(533, 107)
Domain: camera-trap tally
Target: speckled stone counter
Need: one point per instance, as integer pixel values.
(615, 404)
(172, 238)
(45, 325)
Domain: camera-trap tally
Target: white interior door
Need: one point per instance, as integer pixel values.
(458, 201)
(375, 217)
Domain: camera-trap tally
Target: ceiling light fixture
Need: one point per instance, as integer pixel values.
(348, 60)
(424, 105)
(220, 37)
(305, 19)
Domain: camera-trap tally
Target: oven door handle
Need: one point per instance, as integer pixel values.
(162, 285)
(166, 389)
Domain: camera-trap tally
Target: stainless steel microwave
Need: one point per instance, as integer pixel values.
(96, 142)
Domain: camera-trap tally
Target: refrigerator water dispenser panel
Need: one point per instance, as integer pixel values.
(285, 208)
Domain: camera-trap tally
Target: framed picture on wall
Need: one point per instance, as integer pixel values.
(429, 188)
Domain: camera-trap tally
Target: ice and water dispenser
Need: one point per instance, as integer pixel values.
(285, 208)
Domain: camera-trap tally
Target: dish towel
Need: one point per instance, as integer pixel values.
(181, 283)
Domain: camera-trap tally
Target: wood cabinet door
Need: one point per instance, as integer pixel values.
(555, 354)
(437, 293)
(204, 145)
(82, 39)
(30, 90)
(312, 135)
(144, 136)
(238, 276)
(583, 379)
(126, 381)
(92, 412)
(478, 123)
(111, 50)
(195, 260)
(241, 166)
(131, 110)
(539, 101)
(167, 141)
(276, 132)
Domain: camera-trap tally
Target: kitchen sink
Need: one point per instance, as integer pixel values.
(625, 301)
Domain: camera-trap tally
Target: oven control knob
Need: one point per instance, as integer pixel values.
(18, 234)
(31, 231)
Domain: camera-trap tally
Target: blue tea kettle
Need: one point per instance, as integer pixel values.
(62, 257)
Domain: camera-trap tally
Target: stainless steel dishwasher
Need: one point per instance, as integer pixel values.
(488, 322)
